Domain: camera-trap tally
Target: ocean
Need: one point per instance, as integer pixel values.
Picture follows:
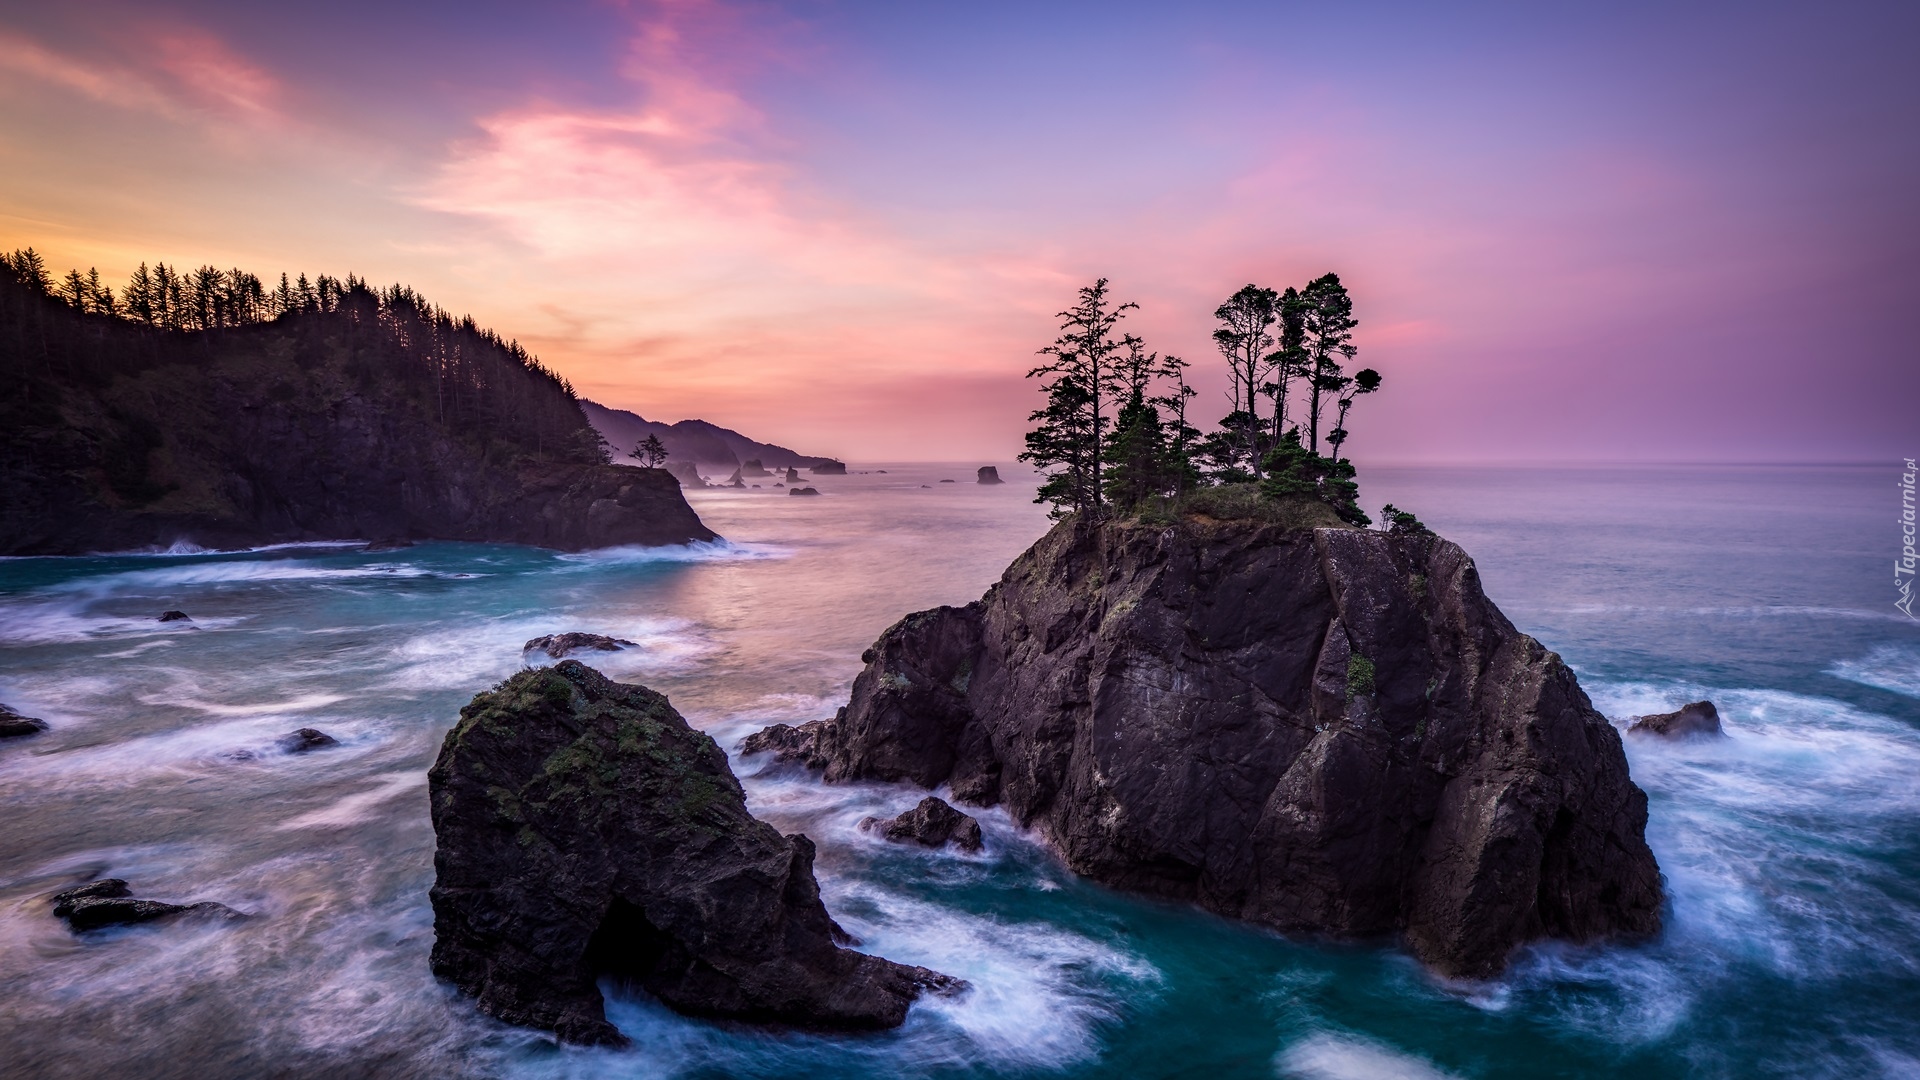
(1791, 849)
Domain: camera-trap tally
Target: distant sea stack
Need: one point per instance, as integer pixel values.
(830, 467)
(990, 475)
(687, 473)
(351, 415)
(1319, 730)
(585, 830)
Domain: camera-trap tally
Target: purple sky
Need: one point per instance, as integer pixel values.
(1627, 233)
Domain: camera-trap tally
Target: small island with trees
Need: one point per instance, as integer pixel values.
(1115, 437)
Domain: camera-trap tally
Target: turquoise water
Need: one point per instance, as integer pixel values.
(1792, 849)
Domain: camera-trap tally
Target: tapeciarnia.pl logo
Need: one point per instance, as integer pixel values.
(1903, 566)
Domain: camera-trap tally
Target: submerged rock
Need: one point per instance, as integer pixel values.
(395, 544)
(559, 645)
(174, 616)
(585, 830)
(109, 902)
(1326, 730)
(931, 824)
(803, 491)
(14, 726)
(304, 740)
(990, 475)
(1698, 720)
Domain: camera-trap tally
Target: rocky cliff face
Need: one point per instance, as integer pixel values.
(586, 831)
(1328, 730)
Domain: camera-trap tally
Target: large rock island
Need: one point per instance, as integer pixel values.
(341, 413)
(1318, 730)
(585, 830)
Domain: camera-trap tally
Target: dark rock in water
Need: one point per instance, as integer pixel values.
(932, 824)
(990, 475)
(803, 491)
(585, 830)
(793, 475)
(787, 743)
(1327, 730)
(304, 740)
(754, 468)
(1697, 720)
(13, 725)
(687, 473)
(880, 471)
(397, 544)
(109, 902)
(829, 467)
(174, 616)
(559, 645)
(735, 480)
(947, 481)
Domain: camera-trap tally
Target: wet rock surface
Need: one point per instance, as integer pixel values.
(174, 616)
(585, 830)
(1697, 720)
(559, 646)
(305, 740)
(110, 902)
(14, 726)
(1321, 730)
(932, 824)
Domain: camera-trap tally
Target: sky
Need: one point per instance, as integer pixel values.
(1620, 232)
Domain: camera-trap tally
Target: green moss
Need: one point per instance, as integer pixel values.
(1417, 585)
(1359, 677)
(1244, 502)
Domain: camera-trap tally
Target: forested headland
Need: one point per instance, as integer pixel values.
(205, 405)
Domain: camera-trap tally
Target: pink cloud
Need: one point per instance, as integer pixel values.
(214, 75)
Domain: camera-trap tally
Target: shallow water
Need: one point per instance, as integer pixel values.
(1792, 849)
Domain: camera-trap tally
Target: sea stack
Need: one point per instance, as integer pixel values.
(1320, 730)
(990, 475)
(585, 830)
(1697, 720)
(829, 467)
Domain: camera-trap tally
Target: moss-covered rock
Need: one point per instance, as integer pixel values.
(585, 830)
